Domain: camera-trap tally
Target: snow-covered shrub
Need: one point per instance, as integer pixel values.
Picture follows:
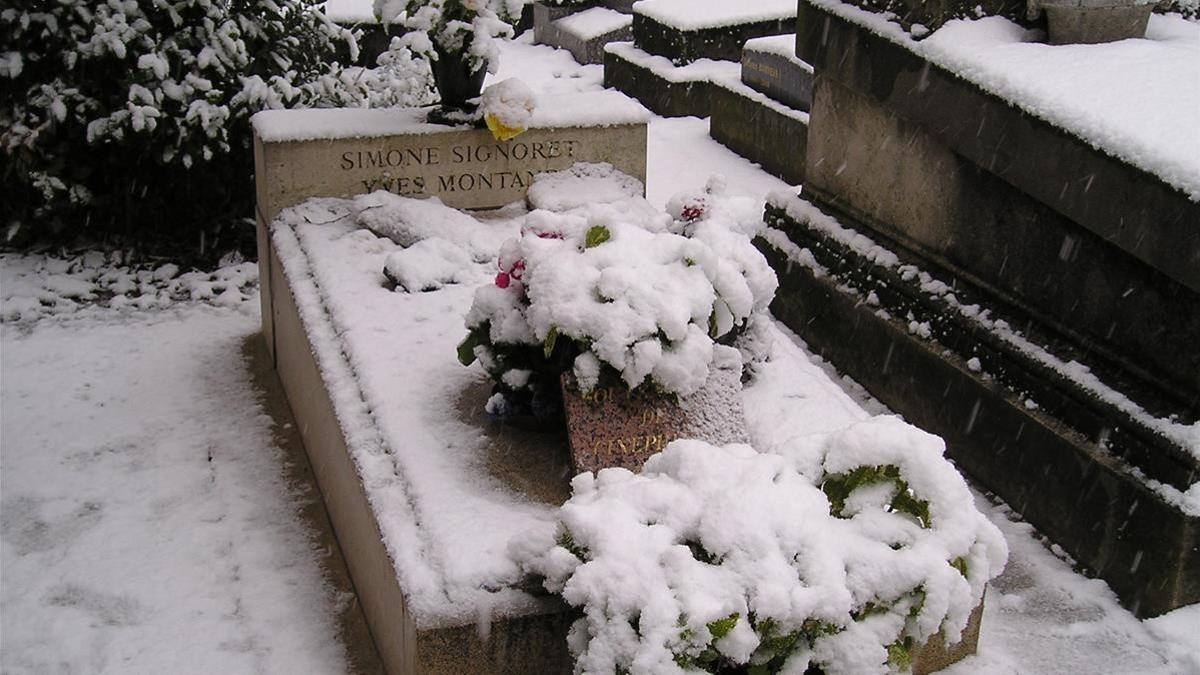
(631, 293)
(466, 28)
(721, 557)
(131, 116)
(1188, 9)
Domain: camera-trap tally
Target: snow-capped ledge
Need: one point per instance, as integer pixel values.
(1132, 99)
(577, 109)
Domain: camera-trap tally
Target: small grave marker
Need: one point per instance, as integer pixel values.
(610, 426)
(784, 79)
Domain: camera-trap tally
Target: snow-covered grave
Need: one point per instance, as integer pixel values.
(443, 514)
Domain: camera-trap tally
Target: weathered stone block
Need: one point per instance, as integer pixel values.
(464, 167)
(901, 146)
(1128, 208)
(583, 32)
(717, 42)
(544, 16)
(678, 97)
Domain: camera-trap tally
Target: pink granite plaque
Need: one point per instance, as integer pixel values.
(612, 426)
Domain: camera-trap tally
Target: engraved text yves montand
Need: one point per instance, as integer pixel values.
(432, 169)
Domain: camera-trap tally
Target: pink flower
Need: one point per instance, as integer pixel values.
(518, 270)
(502, 279)
(693, 211)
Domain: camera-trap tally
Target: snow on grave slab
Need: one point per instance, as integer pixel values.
(336, 153)
(700, 14)
(593, 22)
(667, 89)
(425, 494)
(685, 30)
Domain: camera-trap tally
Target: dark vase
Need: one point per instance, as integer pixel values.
(457, 85)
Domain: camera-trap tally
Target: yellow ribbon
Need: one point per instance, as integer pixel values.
(499, 130)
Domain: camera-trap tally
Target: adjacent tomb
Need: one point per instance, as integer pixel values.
(678, 52)
(581, 29)
(1009, 283)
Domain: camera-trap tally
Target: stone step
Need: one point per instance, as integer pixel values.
(1064, 448)
(759, 128)
(684, 31)
(667, 89)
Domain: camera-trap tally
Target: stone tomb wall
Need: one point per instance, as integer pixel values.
(465, 168)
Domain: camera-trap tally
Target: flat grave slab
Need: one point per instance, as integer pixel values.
(684, 31)
(770, 66)
(426, 493)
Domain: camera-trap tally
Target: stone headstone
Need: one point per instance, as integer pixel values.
(777, 75)
(610, 426)
(300, 154)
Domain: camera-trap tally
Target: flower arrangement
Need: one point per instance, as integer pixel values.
(631, 295)
(715, 559)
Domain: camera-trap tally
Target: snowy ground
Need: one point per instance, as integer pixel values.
(152, 519)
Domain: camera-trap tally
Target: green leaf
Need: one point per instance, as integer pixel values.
(900, 654)
(960, 564)
(721, 627)
(905, 502)
(551, 339)
(567, 541)
(466, 348)
(596, 235)
(838, 487)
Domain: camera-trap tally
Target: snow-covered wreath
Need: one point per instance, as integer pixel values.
(724, 559)
(637, 294)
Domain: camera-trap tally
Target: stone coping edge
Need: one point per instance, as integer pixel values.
(535, 638)
(1125, 436)
(1147, 550)
(588, 109)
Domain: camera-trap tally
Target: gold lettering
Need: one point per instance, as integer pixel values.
(651, 415)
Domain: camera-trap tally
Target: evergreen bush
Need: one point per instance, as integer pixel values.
(127, 121)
